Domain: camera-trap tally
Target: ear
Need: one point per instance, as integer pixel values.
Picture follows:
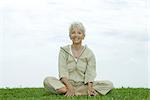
(83, 36)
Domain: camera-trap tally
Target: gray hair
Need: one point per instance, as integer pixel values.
(77, 25)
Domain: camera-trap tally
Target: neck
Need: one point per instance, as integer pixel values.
(76, 46)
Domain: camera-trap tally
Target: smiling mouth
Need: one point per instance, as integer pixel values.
(76, 39)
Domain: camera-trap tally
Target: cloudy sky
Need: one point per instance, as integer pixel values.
(31, 32)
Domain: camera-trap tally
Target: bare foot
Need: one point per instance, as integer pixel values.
(62, 90)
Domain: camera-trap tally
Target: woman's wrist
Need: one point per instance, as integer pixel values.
(66, 83)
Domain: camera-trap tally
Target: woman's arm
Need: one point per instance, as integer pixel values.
(90, 72)
(62, 66)
(63, 73)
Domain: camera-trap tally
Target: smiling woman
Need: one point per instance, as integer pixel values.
(77, 69)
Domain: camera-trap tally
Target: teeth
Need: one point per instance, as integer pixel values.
(76, 39)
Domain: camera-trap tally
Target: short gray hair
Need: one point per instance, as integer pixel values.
(77, 25)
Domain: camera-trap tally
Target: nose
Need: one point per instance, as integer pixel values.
(76, 33)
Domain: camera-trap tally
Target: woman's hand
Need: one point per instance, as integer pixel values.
(70, 92)
(70, 88)
(91, 90)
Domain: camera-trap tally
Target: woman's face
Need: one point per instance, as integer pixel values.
(77, 36)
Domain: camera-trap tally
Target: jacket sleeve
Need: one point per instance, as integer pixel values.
(90, 73)
(62, 65)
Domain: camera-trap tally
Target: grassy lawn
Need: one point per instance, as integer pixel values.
(42, 94)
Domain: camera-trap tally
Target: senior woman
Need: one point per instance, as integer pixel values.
(77, 69)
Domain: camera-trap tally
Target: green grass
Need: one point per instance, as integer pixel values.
(42, 94)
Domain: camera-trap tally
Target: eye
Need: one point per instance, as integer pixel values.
(79, 33)
(73, 33)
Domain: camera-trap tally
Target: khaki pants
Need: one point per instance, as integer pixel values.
(102, 87)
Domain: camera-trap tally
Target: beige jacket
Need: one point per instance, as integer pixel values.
(82, 70)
